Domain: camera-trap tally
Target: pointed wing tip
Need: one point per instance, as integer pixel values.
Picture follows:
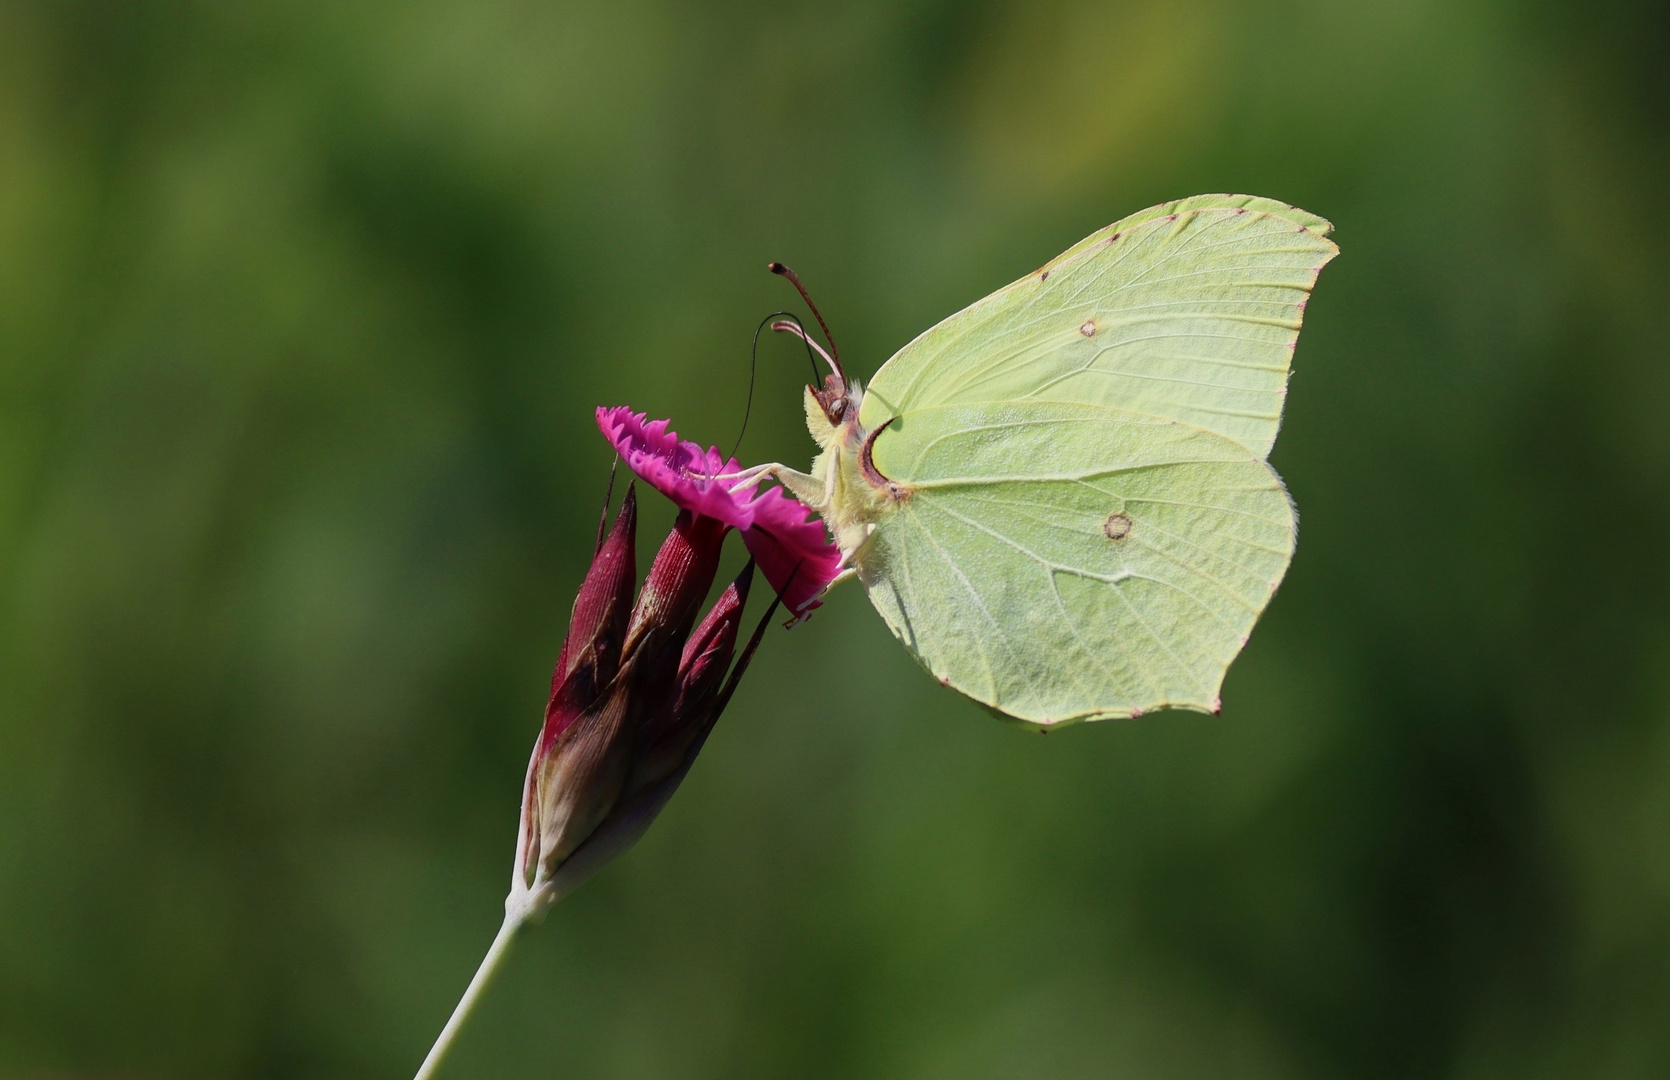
(1314, 223)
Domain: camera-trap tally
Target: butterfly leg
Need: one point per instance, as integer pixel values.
(743, 477)
(746, 478)
(808, 489)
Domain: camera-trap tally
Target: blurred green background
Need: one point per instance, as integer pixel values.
(304, 308)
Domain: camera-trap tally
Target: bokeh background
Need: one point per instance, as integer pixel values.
(304, 308)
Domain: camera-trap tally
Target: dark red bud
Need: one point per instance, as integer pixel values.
(708, 653)
(660, 764)
(604, 603)
(672, 595)
(667, 734)
(679, 579)
(588, 662)
(579, 773)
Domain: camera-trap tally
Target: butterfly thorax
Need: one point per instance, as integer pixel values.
(855, 495)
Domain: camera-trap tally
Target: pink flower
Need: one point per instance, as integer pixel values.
(791, 548)
(640, 682)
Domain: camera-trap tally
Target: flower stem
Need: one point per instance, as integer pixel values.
(490, 965)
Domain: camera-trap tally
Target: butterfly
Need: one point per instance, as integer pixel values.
(1058, 498)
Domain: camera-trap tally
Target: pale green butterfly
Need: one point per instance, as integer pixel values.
(1058, 497)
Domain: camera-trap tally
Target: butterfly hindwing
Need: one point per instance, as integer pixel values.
(1061, 561)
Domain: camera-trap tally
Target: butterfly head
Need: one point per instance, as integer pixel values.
(833, 408)
(838, 398)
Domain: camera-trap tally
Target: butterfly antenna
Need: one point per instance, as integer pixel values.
(835, 361)
(794, 326)
(754, 360)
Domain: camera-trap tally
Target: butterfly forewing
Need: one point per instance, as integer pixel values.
(1061, 561)
(1188, 311)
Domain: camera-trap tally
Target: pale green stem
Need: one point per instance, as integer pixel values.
(490, 965)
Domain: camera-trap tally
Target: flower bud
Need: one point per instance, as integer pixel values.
(605, 598)
(588, 662)
(669, 733)
(636, 694)
(667, 745)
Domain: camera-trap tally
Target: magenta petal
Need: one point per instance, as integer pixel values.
(792, 550)
(680, 470)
